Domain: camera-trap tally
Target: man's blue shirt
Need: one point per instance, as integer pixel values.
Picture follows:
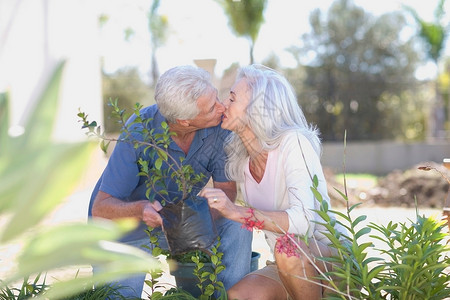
(120, 177)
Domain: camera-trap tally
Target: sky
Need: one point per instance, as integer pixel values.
(199, 30)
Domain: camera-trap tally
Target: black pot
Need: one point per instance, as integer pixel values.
(188, 225)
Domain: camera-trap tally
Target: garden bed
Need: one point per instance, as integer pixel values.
(399, 188)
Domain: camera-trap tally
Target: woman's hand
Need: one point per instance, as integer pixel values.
(219, 201)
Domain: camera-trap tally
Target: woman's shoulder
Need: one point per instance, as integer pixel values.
(292, 138)
(297, 141)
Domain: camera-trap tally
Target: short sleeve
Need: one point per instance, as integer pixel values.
(120, 176)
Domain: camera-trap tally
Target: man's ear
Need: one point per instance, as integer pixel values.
(184, 123)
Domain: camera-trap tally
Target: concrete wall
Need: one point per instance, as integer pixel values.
(382, 157)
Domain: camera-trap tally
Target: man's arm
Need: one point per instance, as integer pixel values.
(108, 207)
(228, 187)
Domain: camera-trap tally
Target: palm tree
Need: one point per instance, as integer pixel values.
(434, 35)
(158, 27)
(245, 18)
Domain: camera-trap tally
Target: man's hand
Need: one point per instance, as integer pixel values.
(150, 214)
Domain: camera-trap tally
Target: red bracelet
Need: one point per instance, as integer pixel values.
(286, 245)
(250, 223)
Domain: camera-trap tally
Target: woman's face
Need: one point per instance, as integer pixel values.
(234, 117)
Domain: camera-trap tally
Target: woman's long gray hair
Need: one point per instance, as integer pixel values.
(272, 112)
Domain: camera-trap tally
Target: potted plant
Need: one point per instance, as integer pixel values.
(179, 207)
(195, 271)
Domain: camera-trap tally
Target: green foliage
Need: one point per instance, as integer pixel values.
(207, 267)
(412, 265)
(36, 174)
(201, 256)
(358, 78)
(4, 123)
(155, 273)
(98, 293)
(177, 294)
(245, 18)
(208, 282)
(25, 291)
(158, 26)
(418, 259)
(433, 34)
(155, 144)
(126, 85)
(30, 159)
(36, 288)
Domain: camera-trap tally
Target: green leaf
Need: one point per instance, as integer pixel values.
(117, 269)
(362, 232)
(205, 274)
(315, 181)
(156, 251)
(81, 244)
(220, 268)
(4, 124)
(162, 154)
(214, 259)
(158, 163)
(104, 146)
(46, 185)
(342, 194)
(317, 195)
(209, 290)
(39, 126)
(359, 220)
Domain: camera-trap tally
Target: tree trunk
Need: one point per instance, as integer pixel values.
(252, 45)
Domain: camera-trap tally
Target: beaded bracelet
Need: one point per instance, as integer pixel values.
(286, 245)
(251, 221)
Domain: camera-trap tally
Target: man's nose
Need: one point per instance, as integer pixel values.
(220, 106)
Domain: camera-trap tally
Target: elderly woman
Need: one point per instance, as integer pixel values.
(273, 153)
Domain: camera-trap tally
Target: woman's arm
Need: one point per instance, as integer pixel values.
(276, 221)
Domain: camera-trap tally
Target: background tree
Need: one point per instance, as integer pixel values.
(158, 26)
(358, 67)
(127, 86)
(444, 89)
(434, 35)
(245, 18)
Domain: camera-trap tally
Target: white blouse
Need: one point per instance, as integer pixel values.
(262, 195)
(286, 185)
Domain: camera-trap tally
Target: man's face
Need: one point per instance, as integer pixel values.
(210, 111)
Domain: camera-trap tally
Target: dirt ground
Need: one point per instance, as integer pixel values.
(390, 200)
(399, 188)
